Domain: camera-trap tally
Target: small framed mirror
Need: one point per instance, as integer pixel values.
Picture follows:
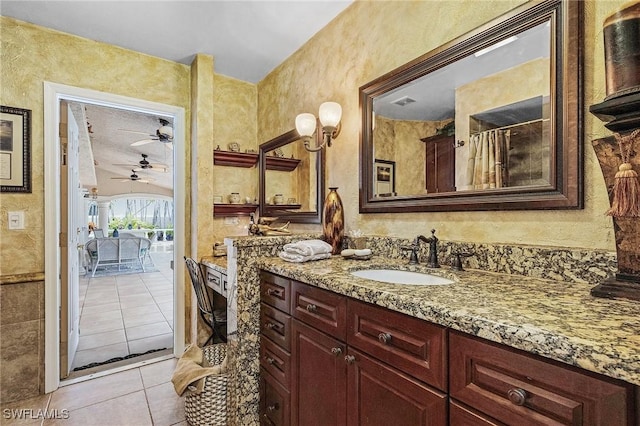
(291, 180)
(489, 121)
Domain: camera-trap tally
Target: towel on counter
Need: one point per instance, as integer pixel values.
(192, 369)
(308, 247)
(293, 257)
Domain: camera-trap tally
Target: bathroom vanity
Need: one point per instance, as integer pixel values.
(487, 349)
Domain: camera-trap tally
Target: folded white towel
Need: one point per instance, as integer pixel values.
(308, 247)
(293, 257)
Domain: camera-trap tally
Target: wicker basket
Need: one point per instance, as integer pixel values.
(209, 408)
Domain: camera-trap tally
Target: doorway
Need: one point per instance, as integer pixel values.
(55, 253)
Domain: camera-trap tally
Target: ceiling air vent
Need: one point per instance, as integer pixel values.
(405, 100)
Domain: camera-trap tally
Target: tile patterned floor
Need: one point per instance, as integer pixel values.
(136, 397)
(126, 314)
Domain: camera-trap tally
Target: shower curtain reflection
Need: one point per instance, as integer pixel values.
(488, 164)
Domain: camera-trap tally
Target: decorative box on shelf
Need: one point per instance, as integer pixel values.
(234, 159)
(222, 210)
(282, 164)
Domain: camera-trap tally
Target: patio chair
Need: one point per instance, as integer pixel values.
(215, 319)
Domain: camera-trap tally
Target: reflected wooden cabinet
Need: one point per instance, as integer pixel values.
(441, 163)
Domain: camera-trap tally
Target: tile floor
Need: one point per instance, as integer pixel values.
(127, 313)
(136, 397)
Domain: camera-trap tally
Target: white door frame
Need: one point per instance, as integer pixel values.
(53, 93)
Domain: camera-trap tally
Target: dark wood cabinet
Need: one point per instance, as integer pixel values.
(327, 359)
(441, 163)
(304, 351)
(521, 389)
(275, 399)
(318, 385)
(380, 395)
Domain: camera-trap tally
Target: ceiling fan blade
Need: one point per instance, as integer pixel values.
(169, 146)
(135, 131)
(143, 142)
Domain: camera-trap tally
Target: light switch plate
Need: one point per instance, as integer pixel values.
(16, 220)
(231, 220)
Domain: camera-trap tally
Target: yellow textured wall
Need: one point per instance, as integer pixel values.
(371, 38)
(32, 55)
(234, 120)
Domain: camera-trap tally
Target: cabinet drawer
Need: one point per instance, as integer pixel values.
(275, 325)
(320, 308)
(214, 279)
(518, 388)
(276, 361)
(275, 291)
(274, 401)
(411, 345)
(463, 416)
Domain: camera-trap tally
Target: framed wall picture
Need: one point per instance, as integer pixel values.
(15, 149)
(384, 178)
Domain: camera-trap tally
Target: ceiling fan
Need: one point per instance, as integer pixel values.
(133, 177)
(146, 165)
(164, 134)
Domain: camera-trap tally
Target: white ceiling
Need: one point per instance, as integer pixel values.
(247, 39)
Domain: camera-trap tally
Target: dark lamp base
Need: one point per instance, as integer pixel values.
(625, 286)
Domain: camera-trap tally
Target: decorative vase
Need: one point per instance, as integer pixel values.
(333, 222)
(626, 282)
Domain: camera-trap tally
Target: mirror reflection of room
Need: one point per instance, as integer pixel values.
(482, 122)
(290, 179)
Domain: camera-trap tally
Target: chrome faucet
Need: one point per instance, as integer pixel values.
(433, 249)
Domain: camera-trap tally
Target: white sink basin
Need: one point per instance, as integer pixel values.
(401, 277)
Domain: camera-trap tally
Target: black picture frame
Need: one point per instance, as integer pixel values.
(15, 150)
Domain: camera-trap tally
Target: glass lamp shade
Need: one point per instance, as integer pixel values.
(166, 131)
(306, 124)
(330, 114)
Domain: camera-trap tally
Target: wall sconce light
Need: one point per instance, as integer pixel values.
(94, 193)
(330, 114)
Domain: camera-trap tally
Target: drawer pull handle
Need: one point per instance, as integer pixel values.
(270, 360)
(384, 338)
(311, 307)
(350, 359)
(336, 351)
(274, 292)
(272, 326)
(272, 408)
(517, 396)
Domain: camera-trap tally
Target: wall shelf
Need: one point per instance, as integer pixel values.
(224, 210)
(234, 159)
(282, 164)
(620, 114)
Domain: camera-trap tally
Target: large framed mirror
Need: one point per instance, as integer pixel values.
(291, 180)
(489, 121)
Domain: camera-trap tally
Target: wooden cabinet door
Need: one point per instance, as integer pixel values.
(319, 379)
(274, 401)
(441, 163)
(379, 395)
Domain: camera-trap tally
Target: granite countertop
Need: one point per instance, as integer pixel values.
(558, 320)
(218, 263)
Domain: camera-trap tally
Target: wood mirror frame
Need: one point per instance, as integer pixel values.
(267, 162)
(565, 189)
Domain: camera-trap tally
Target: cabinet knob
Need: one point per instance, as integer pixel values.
(336, 351)
(270, 360)
(384, 338)
(311, 307)
(272, 408)
(350, 359)
(517, 396)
